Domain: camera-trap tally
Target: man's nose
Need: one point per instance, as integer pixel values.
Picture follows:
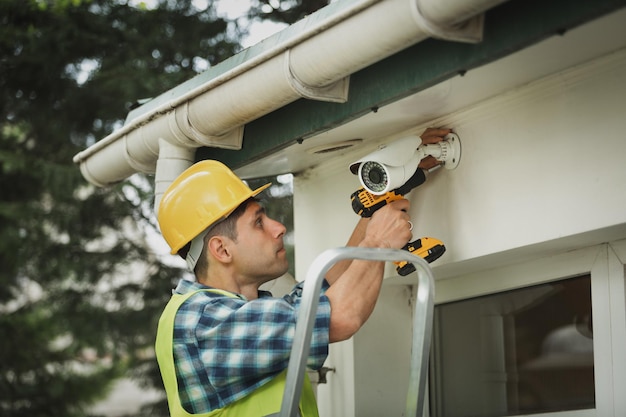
(278, 229)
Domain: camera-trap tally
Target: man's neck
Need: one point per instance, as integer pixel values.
(248, 290)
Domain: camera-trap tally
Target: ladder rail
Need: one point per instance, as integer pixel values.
(422, 323)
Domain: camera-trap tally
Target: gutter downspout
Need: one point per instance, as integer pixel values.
(314, 64)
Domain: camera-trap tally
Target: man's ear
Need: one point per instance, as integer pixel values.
(218, 247)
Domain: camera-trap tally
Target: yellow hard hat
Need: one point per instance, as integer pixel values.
(202, 195)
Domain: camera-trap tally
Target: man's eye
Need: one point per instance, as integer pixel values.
(259, 222)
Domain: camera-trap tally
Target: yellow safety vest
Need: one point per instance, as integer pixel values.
(264, 401)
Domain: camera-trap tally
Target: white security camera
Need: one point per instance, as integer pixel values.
(392, 165)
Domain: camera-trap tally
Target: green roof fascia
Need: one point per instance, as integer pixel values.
(509, 27)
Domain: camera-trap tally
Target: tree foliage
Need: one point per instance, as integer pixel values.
(77, 309)
(81, 289)
(285, 11)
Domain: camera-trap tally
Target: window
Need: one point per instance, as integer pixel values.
(522, 351)
(488, 323)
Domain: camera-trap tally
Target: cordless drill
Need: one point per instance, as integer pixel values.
(365, 204)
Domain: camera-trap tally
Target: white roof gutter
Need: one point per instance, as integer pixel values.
(315, 64)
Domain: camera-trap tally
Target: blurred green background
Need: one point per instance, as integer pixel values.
(83, 270)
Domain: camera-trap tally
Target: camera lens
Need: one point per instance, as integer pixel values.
(374, 176)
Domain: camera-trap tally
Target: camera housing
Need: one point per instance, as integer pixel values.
(393, 164)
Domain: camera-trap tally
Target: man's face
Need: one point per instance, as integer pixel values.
(259, 252)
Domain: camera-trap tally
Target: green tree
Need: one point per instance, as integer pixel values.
(81, 289)
(285, 11)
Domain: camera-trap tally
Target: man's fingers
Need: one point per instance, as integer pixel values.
(402, 204)
(428, 163)
(434, 135)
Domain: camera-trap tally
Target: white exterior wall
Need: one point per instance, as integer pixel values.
(542, 173)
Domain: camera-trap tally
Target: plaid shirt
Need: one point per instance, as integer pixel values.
(225, 348)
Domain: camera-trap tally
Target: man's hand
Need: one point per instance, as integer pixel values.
(430, 136)
(389, 226)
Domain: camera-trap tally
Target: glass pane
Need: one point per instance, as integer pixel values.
(523, 351)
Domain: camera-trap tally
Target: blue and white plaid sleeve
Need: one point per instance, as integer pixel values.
(226, 347)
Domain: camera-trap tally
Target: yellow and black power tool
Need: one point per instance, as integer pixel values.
(365, 204)
(427, 248)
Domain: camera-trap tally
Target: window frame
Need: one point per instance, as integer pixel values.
(606, 265)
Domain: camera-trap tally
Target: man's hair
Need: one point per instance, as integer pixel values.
(226, 227)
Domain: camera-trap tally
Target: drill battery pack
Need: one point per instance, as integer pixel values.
(427, 248)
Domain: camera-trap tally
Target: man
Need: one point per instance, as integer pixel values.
(223, 345)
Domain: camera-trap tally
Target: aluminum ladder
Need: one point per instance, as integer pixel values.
(422, 324)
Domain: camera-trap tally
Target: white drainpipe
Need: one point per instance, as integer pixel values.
(315, 64)
(172, 161)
